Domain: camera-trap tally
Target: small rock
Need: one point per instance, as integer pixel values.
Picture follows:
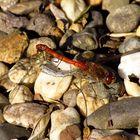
(69, 98)
(60, 119)
(3, 69)
(5, 4)
(76, 27)
(73, 8)
(115, 137)
(85, 40)
(87, 104)
(66, 39)
(9, 132)
(132, 89)
(129, 44)
(117, 20)
(97, 19)
(12, 47)
(24, 71)
(3, 100)
(94, 2)
(58, 13)
(25, 7)
(111, 5)
(10, 23)
(42, 24)
(24, 114)
(129, 66)
(20, 94)
(70, 133)
(7, 83)
(42, 40)
(52, 82)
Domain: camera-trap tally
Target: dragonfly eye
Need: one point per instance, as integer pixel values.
(109, 78)
(40, 47)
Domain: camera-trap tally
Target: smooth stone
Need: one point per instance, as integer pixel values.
(25, 7)
(69, 98)
(129, 65)
(9, 131)
(12, 46)
(132, 89)
(42, 24)
(60, 119)
(24, 114)
(73, 8)
(117, 20)
(41, 40)
(53, 82)
(20, 94)
(3, 69)
(24, 71)
(129, 44)
(5, 4)
(10, 23)
(111, 5)
(93, 2)
(86, 39)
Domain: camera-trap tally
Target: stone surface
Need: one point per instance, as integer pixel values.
(42, 40)
(25, 7)
(60, 119)
(12, 46)
(117, 20)
(20, 94)
(24, 114)
(111, 5)
(5, 4)
(10, 22)
(73, 8)
(9, 131)
(41, 23)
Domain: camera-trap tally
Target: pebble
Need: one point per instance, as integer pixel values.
(94, 2)
(3, 100)
(52, 83)
(73, 8)
(111, 5)
(129, 65)
(132, 88)
(5, 4)
(10, 23)
(12, 46)
(42, 24)
(69, 98)
(24, 71)
(20, 94)
(25, 7)
(117, 20)
(58, 13)
(41, 40)
(72, 132)
(85, 40)
(3, 69)
(24, 114)
(129, 44)
(60, 119)
(9, 132)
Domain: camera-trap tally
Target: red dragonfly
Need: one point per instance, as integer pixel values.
(95, 70)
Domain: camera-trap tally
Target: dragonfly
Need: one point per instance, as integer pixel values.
(97, 71)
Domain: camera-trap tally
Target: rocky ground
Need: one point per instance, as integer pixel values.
(69, 69)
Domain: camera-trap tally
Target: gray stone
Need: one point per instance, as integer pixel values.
(10, 23)
(111, 5)
(124, 19)
(8, 131)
